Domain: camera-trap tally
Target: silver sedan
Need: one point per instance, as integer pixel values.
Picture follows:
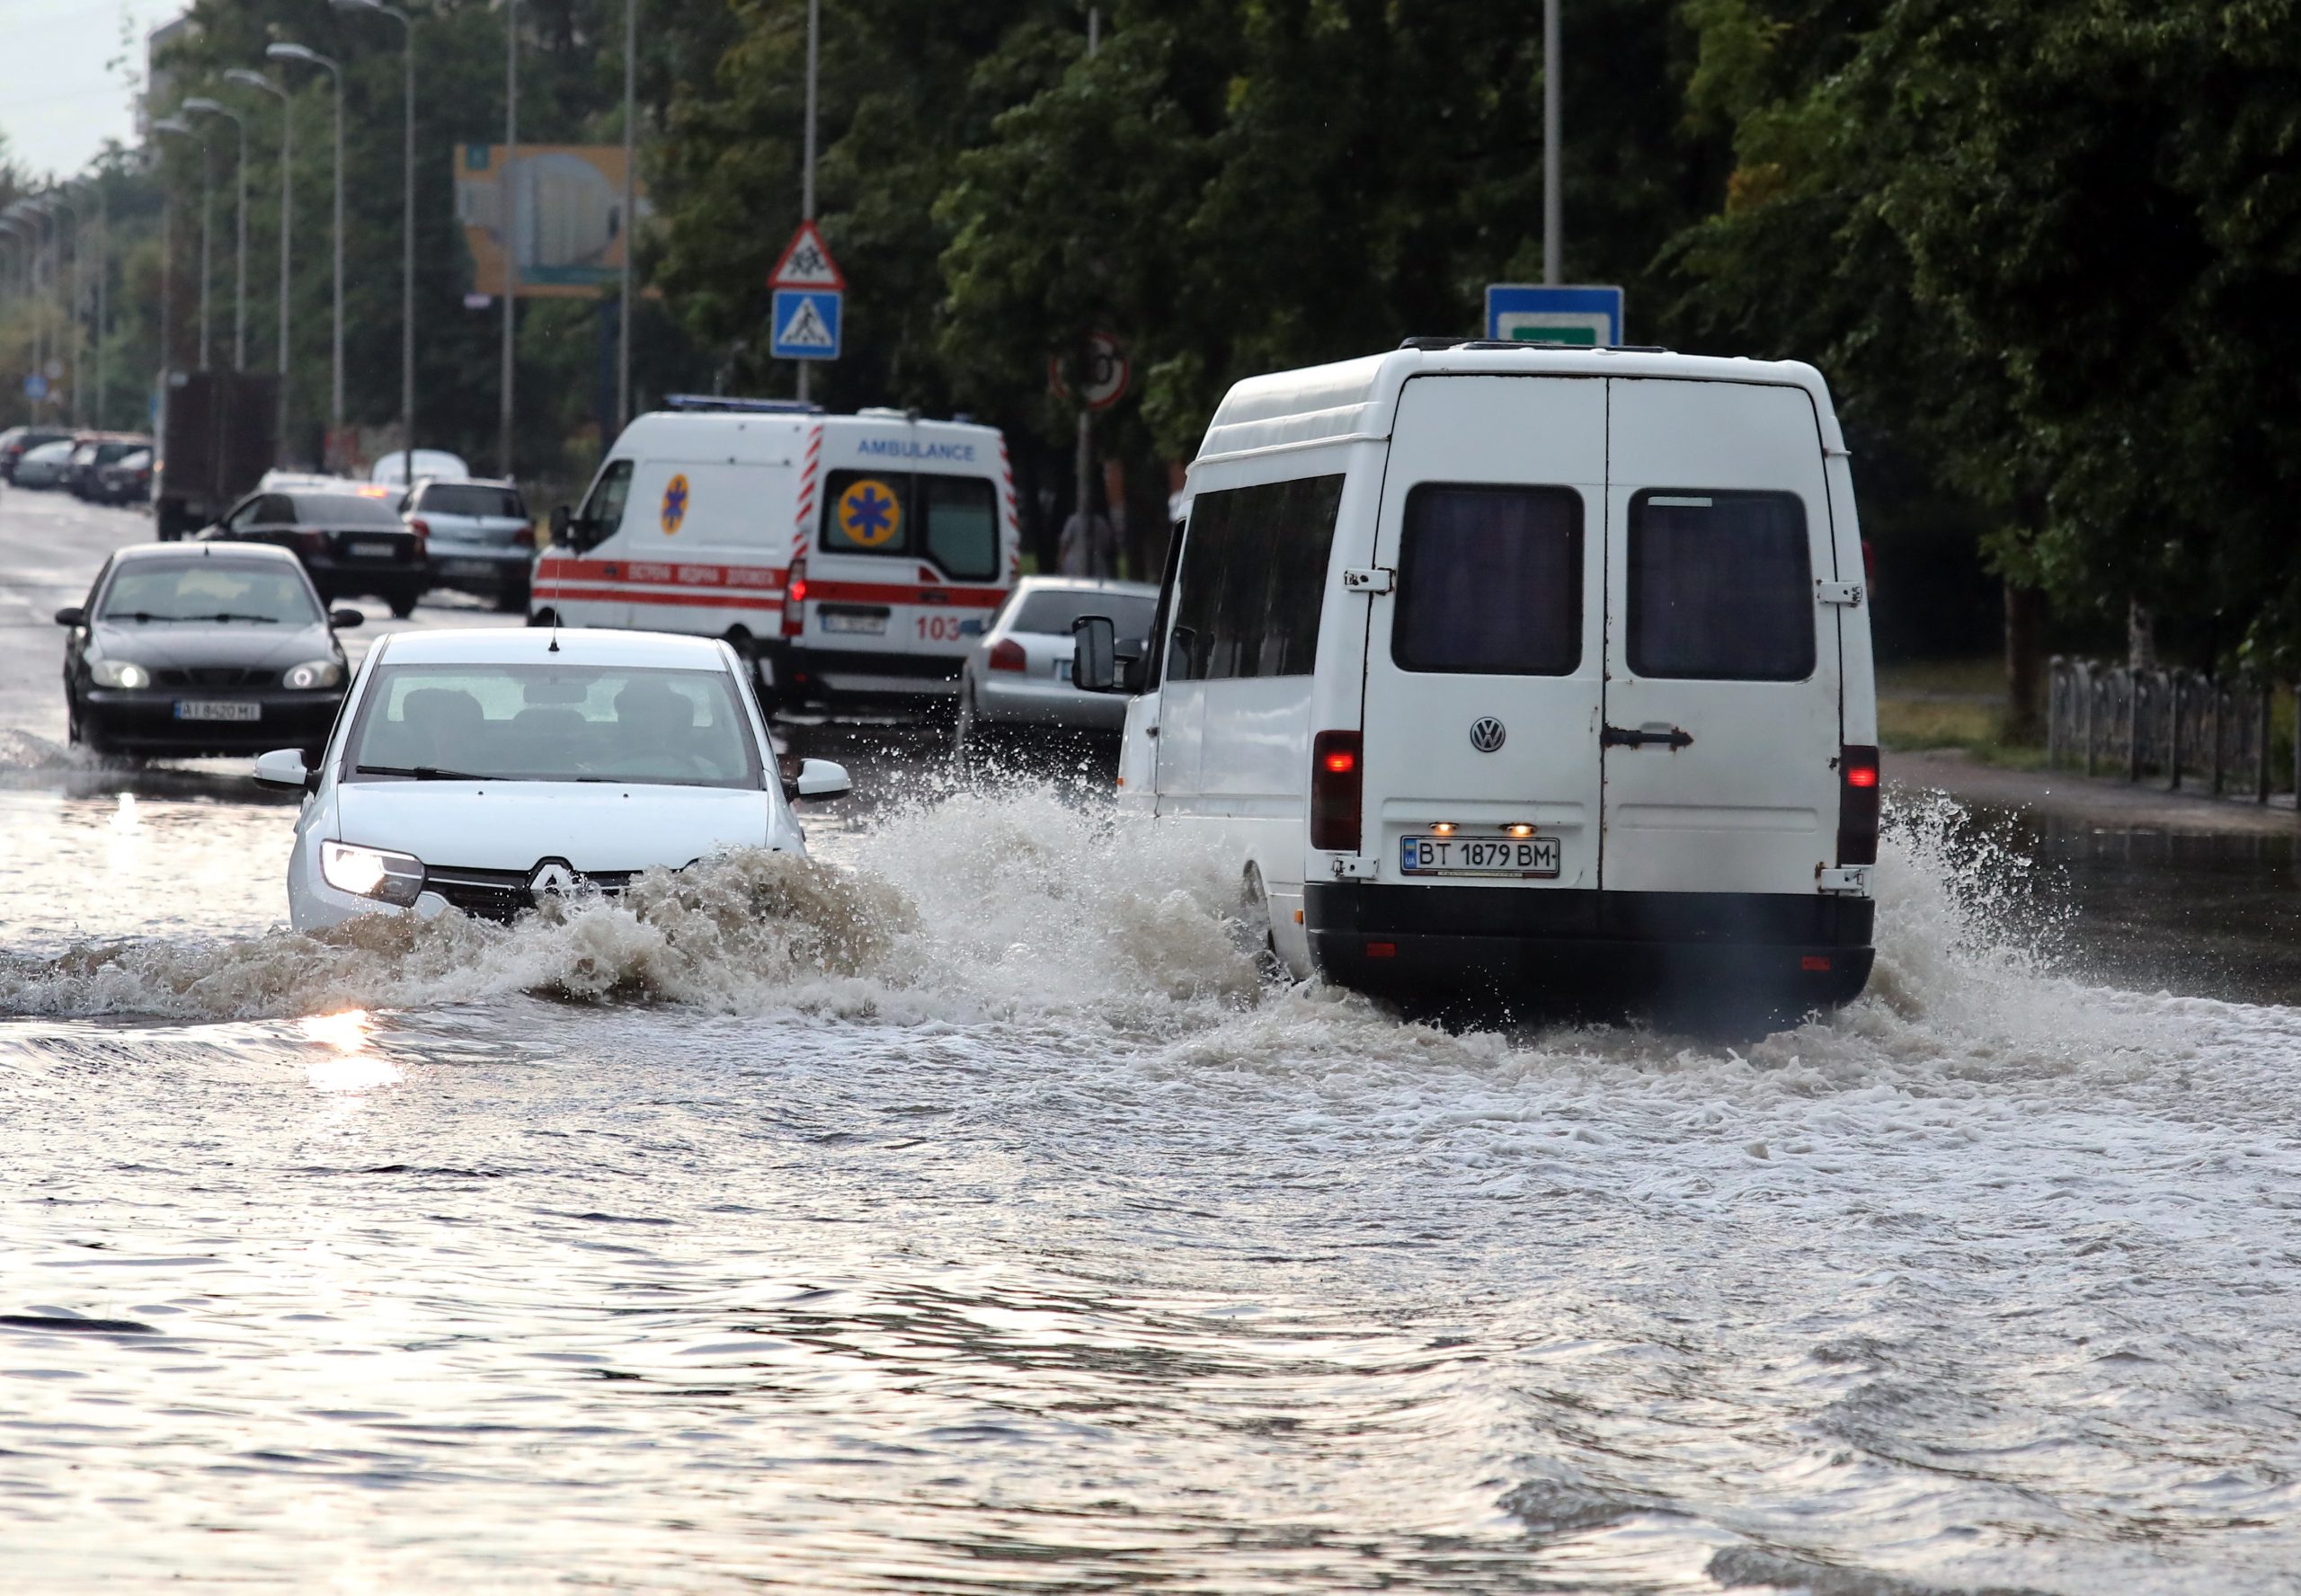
(1016, 685)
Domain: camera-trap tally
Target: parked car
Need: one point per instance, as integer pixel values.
(1524, 674)
(485, 770)
(49, 466)
(127, 480)
(481, 540)
(17, 440)
(194, 649)
(1016, 686)
(392, 469)
(350, 542)
(92, 451)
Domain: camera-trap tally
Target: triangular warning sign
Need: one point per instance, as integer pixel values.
(806, 329)
(806, 263)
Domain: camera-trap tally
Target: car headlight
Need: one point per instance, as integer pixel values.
(313, 673)
(371, 873)
(119, 673)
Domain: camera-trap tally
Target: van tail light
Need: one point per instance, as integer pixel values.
(1857, 806)
(1007, 654)
(1337, 784)
(795, 598)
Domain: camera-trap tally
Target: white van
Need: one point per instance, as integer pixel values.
(1523, 672)
(852, 557)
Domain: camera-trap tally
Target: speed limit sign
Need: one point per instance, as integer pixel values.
(1106, 369)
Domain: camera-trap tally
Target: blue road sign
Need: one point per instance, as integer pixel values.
(804, 324)
(1536, 313)
(35, 387)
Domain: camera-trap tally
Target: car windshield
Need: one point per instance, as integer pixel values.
(465, 498)
(1052, 610)
(553, 722)
(344, 510)
(154, 590)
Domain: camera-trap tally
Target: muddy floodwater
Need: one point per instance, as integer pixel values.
(961, 1213)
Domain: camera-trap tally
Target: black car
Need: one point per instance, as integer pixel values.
(96, 451)
(349, 541)
(15, 440)
(127, 480)
(213, 647)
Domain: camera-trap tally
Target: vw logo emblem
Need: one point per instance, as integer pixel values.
(551, 876)
(1487, 734)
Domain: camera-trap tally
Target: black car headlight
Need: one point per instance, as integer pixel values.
(312, 673)
(371, 873)
(119, 673)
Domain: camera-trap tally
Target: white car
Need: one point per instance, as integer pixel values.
(1017, 683)
(482, 539)
(481, 770)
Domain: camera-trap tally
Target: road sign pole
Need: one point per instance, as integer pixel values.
(807, 163)
(1085, 464)
(1553, 227)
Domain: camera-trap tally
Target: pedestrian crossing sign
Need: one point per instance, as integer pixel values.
(804, 324)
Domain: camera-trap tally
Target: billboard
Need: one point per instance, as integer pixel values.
(565, 205)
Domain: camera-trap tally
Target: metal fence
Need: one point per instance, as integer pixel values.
(2177, 726)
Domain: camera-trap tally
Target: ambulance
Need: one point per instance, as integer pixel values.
(853, 559)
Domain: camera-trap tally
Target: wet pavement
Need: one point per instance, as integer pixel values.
(962, 1213)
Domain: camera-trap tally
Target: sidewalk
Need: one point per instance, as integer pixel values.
(2092, 800)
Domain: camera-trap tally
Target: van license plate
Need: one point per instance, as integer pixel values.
(211, 709)
(1472, 854)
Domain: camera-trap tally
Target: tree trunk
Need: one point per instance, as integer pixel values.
(2140, 636)
(2024, 660)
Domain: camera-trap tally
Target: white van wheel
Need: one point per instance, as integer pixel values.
(1252, 930)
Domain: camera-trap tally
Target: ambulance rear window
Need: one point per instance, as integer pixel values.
(951, 520)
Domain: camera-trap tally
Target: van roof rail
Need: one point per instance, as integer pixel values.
(1428, 344)
(750, 406)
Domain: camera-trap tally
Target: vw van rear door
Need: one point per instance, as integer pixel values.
(1721, 737)
(1484, 676)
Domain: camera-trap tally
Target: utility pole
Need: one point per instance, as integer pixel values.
(807, 163)
(282, 50)
(1553, 227)
(507, 196)
(630, 208)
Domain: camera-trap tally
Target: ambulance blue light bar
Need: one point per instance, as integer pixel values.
(748, 406)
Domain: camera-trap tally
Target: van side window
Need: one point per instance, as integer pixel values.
(1253, 580)
(1721, 586)
(603, 510)
(952, 520)
(1490, 580)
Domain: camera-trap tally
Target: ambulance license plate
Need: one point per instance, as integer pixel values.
(1478, 853)
(214, 709)
(867, 622)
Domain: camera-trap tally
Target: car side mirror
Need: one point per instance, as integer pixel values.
(563, 519)
(820, 778)
(73, 616)
(285, 767)
(343, 620)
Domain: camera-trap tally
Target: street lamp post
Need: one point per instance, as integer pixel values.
(1553, 195)
(407, 228)
(205, 107)
(311, 58)
(508, 200)
(630, 208)
(168, 252)
(103, 272)
(248, 79)
(72, 295)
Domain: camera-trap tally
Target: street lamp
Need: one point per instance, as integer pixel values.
(249, 79)
(205, 107)
(178, 125)
(312, 58)
(407, 228)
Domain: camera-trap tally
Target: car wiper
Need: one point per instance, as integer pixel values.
(232, 614)
(424, 772)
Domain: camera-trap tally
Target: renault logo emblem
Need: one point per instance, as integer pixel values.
(553, 875)
(1487, 734)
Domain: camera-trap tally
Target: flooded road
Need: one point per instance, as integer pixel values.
(962, 1213)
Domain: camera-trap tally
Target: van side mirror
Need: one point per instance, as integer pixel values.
(819, 778)
(285, 767)
(344, 619)
(1094, 654)
(73, 616)
(562, 517)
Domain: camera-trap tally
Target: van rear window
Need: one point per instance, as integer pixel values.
(1722, 586)
(1490, 580)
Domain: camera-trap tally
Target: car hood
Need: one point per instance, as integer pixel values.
(250, 644)
(517, 825)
